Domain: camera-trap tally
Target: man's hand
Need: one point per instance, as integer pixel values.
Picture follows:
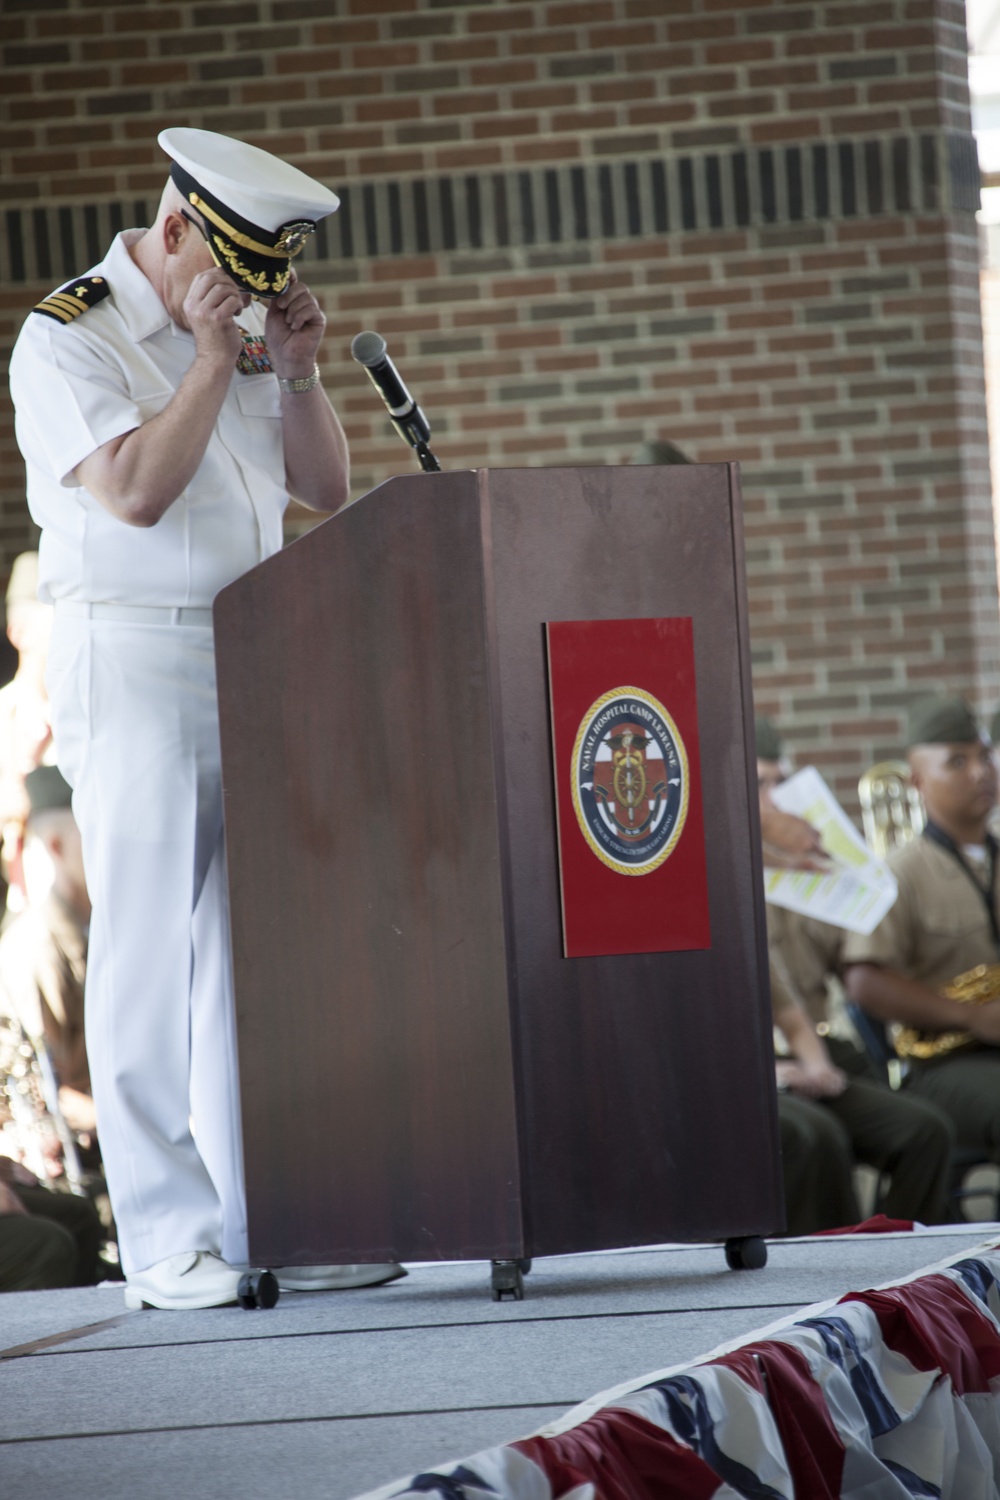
(814, 1080)
(293, 330)
(211, 307)
(790, 843)
(52, 1155)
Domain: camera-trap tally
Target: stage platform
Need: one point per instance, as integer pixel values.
(335, 1394)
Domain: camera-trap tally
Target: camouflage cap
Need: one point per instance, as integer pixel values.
(769, 746)
(659, 452)
(47, 789)
(936, 720)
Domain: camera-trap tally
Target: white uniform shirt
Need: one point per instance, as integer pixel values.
(78, 385)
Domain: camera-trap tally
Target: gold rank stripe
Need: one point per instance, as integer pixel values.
(60, 310)
(72, 305)
(76, 297)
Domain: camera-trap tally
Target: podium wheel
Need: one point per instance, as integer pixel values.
(257, 1289)
(748, 1253)
(507, 1280)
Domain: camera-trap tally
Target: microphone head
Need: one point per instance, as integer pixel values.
(368, 348)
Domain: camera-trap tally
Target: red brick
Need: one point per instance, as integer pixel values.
(264, 91)
(713, 81)
(592, 119)
(626, 90)
(380, 7)
(114, 49)
(635, 34)
(406, 268)
(510, 17)
(76, 80)
(382, 109)
(465, 49)
(460, 159)
(343, 85)
(757, 49)
(343, 33)
(561, 150)
(539, 44)
(158, 18)
(385, 55)
(661, 114)
(315, 60)
(586, 13)
(489, 75)
(478, 103)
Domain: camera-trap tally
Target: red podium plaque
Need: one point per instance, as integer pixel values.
(628, 786)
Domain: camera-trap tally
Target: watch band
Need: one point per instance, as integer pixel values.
(294, 387)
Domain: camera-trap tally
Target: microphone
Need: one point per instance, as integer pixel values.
(369, 350)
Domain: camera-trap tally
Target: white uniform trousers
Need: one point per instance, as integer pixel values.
(137, 737)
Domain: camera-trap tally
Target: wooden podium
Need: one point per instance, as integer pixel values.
(424, 1075)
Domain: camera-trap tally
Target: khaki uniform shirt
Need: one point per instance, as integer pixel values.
(802, 953)
(25, 743)
(939, 925)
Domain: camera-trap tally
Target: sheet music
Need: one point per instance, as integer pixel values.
(858, 890)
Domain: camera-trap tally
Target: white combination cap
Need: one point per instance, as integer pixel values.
(256, 210)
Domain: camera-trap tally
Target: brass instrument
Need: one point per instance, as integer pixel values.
(974, 987)
(891, 809)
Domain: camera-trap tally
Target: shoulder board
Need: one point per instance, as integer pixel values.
(73, 299)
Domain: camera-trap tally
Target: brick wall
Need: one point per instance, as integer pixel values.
(742, 225)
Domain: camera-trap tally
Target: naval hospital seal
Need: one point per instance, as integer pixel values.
(630, 781)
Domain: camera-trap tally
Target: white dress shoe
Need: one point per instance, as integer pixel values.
(195, 1278)
(335, 1278)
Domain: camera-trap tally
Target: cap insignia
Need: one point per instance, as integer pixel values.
(73, 299)
(293, 237)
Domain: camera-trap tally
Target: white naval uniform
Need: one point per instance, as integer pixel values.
(132, 683)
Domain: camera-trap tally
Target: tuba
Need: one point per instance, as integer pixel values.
(974, 987)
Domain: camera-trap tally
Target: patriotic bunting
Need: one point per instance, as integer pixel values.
(881, 1395)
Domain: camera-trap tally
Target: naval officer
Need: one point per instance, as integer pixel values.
(168, 403)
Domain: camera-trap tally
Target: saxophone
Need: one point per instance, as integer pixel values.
(974, 987)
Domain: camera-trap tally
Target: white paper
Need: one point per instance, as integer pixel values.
(858, 890)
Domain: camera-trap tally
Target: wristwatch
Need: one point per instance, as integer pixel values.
(294, 387)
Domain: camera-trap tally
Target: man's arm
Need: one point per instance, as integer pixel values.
(138, 476)
(317, 466)
(811, 1071)
(890, 996)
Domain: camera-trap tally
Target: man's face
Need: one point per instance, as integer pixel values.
(958, 781)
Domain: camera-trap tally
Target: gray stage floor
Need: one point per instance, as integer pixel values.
(333, 1394)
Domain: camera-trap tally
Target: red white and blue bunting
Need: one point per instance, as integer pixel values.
(878, 1395)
